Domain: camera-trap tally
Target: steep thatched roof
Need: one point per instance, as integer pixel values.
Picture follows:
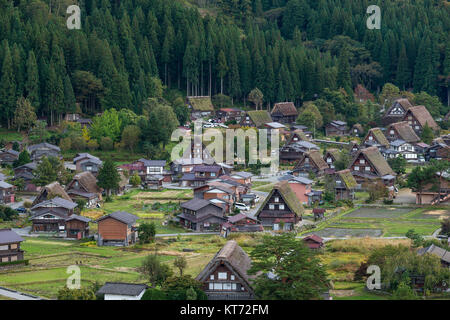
(335, 153)
(423, 116)
(288, 195)
(201, 103)
(235, 258)
(259, 117)
(379, 136)
(347, 178)
(316, 158)
(285, 108)
(374, 156)
(51, 190)
(87, 181)
(404, 131)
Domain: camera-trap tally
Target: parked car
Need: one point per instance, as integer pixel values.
(21, 210)
(442, 236)
(242, 206)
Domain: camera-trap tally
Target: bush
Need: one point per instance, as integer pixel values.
(65, 144)
(92, 145)
(154, 294)
(27, 204)
(78, 144)
(388, 201)
(106, 143)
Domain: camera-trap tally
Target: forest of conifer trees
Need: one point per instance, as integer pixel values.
(291, 50)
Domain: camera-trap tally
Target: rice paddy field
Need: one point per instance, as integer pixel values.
(382, 222)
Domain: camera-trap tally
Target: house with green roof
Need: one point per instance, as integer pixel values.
(375, 138)
(200, 106)
(282, 209)
(256, 118)
(345, 185)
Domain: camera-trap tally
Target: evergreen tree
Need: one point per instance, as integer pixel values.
(108, 177)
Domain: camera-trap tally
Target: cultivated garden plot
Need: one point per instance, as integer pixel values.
(348, 232)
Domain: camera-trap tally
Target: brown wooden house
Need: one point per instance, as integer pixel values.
(311, 161)
(345, 185)
(417, 117)
(331, 156)
(117, 229)
(225, 276)
(336, 128)
(50, 191)
(50, 215)
(401, 131)
(369, 165)
(25, 172)
(77, 226)
(314, 242)
(230, 114)
(284, 112)
(10, 250)
(357, 130)
(84, 187)
(281, 209)
(375, 137)
(201, 215)
(8, 156)
(240, 223)
(396, 111)
(7, 192)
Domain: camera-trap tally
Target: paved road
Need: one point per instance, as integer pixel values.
(17, 295)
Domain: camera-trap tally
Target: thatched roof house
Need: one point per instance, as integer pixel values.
(50, 191)
(225, 276)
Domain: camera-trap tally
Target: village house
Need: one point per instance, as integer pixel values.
(117, 229)
(201, 215)
(375, 137)
(10, 250)
(319, 213)
(345, 185)
(153, 182)
(294, 151)
(401, 148)
(7, 157)
(336, 128)
(357, 130)
(297, 135)
(200, 175)
(272, 127)
(281, 209)
(369, 165)
(44, 149)
(218, 194)
(25, 172)
(442, 254)
(50, 215)
(84, 187)
(438, 151)
(256, 118)
(225, 181)
(184, 165)
(77, 227)
(284, 112)
(310, 162)
(200, 106)
(353, 147)
(198, 150)
(417, 117)
(242, 177)
(396, 111)
(314, 242)
(240, 223)
(331, 156)
(122, 291)
(225, 276)
(50, 191)
(155, 167)
(230, 115)
(301, 187)
(401, 131)
(87, 162)
(433, 193)
(7, 192)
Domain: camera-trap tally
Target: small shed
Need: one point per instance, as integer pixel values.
(319, 213)
(122, 291)
(313, 242)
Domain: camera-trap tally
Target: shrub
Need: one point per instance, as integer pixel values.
(154, 294)
(78, 144)
(92, 145)
(106, 143)
(65, 144)
(27, 204)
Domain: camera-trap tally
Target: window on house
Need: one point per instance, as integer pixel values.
(271, 207)
(227, 286)
(213, 174)
(218, 286)
(232, 277)
(370, 138)
(367, 168)
(211, 277)
(362, 161)
(356, 168)
(391, 132)
(211, 286)
(222, 276)
(281, 207)
(277, 199)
